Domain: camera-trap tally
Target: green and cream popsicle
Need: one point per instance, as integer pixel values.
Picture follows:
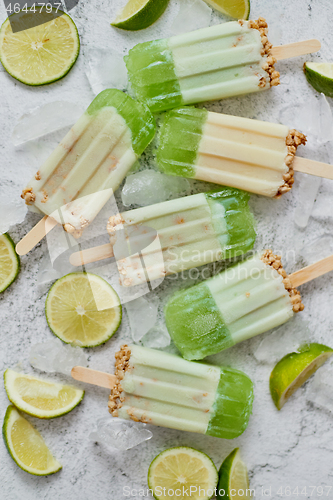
(190, 232)
(247, 154)
(225, 60)
(159, 388)
(245, 300)
(91, 161)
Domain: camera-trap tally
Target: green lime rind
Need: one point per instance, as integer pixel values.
(315, 75)
(221, 6)
(294, 369)
(101, 341)
(225, 473)
(53, 79)
(11, 417)
(190, 451)
(9, 380)
(149, 13)
(6, 239)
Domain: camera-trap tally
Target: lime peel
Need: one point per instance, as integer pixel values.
(9, 262)
(294, 369)
(139, 14)
(179, 469)
(26, 446)
(320, 76)
(83, 309)
(233, 478)
(40, 55)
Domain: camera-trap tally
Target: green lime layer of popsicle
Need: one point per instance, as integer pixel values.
(180, 137)
(153, 62)
(136, 115)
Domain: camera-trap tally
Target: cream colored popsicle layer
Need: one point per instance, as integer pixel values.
(245, 300)
(91, 161)
(252, 155)
(165, 390)
(186, 232)
(225, 60)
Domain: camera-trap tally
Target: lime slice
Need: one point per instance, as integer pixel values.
(42, 54)
(40, 398)
(233, 478)
(26, 446)
(294, 369)
(180, 473)
(320, 76)
(139, 14)
(83, 309)
(238, 9)
(9, 262)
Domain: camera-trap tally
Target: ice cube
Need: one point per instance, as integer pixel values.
(318, 249)
(54, 356)
(320, 388)
(157, 337)
(12, 211)
(44, 120)
(105, 69)
(283, 340)
(148, 187)
(313, 118)
(192, 15)
(307, 192)
(142, 316)
(117, 434)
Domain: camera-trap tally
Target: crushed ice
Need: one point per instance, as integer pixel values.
(148, 187)
(116, 434)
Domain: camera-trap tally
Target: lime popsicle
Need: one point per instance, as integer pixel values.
(225, 60)
(245, 300)
(191, 231)
(162, 389)
(91, 161)
(247, 154)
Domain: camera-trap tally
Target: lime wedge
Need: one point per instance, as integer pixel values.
(9, 262)
(238, 9)
(233, 478)
(182, 471)
(294, 369)
(40, 398)
(139, 14)
(26, 446)
(320, 76)
(83, 309)
(42, 54)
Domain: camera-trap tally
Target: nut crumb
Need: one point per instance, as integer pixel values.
(275, 262)
(293, 140)
(268, 65)
(28, 196)
(121, 366)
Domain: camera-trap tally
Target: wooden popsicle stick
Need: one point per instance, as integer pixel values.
(37, 233)
(93, 377)
(313, 167)
(91, 255)
(309, 273)
(295, 49)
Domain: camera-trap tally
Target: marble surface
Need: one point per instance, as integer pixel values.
(293, 447)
